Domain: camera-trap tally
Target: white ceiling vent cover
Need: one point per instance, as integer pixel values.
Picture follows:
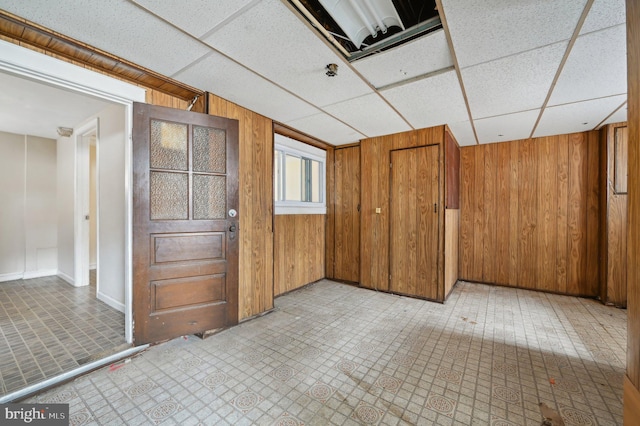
(361, 18)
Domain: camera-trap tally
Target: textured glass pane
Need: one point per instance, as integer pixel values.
(168, 145)
(293, 166)
(169, 195)
(209, 150)
(209, 197)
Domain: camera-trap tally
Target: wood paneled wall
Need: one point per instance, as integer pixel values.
(613, 213)
(452, 174)
(632, 383)
(298, 251)
(529, 214)
(451, 249)
(452, 213)
(374, 228)
(255, 287)
(346, 213)
(330, 218)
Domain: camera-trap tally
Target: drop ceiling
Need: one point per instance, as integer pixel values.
(498, 70)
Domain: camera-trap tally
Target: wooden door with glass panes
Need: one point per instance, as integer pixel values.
(185, 223)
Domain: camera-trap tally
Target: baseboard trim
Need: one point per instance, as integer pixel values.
(39, 273)
(11, 277)
(111, 301)
(66, 277)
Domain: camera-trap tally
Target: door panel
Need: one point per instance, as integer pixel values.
(347, 214)
(414, 222)
(185, 246)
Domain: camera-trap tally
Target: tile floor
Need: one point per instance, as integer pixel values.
(48, 327)
(336, 354)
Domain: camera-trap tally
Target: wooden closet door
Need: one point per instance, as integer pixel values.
(414, 222)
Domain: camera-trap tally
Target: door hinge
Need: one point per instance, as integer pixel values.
(391, 165)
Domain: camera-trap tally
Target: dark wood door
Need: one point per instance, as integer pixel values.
(347, 214)
(414, 222)
(185, 231)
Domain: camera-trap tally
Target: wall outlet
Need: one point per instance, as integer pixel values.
(378, 210)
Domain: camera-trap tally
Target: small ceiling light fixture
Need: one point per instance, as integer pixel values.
(332, 70)
(65, 131)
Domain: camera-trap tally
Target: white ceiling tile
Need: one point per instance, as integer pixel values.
(327, 129)
(596, 67)
(197, 17)
(274, 42)
(117, 27)
(604, 14)
(485, 30)
(571, 118)
(515, 83)
(227, 79)
(422, 56)
(618, 117)
(506, 127)
(371, 115)
(431, 101)
(463, 132)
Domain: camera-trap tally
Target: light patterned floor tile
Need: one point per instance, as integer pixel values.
(336, 354)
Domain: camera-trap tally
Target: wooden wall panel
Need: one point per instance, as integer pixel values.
(452, 172)
(547, 208)
(489, 217)
(451, 248)
(330, 220)
(155, 97)
(347, 215)
(562, 231)
(256, 207)
(298, 251)
(503, 195)
(374, 236)
(467, 197)
(631, 400)
(613, 219)
(529, 214)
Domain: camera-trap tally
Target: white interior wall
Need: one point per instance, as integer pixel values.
(65, 204)
(28, 228)
(110, 201)
(41, 233)
(112, 206)
(12, 172)
(92, 208)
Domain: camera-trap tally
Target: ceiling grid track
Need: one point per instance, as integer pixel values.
(227, 21)
(572, 41)
(348, 64)
(445, 27)
(600, 124)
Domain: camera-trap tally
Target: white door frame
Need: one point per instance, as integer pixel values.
(82, 205)
(26, 63)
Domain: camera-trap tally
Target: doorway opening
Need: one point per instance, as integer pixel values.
(77, 319)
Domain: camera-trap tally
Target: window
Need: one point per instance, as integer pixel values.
(299, 177)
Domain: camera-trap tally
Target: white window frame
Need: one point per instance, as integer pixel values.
(302, 150)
